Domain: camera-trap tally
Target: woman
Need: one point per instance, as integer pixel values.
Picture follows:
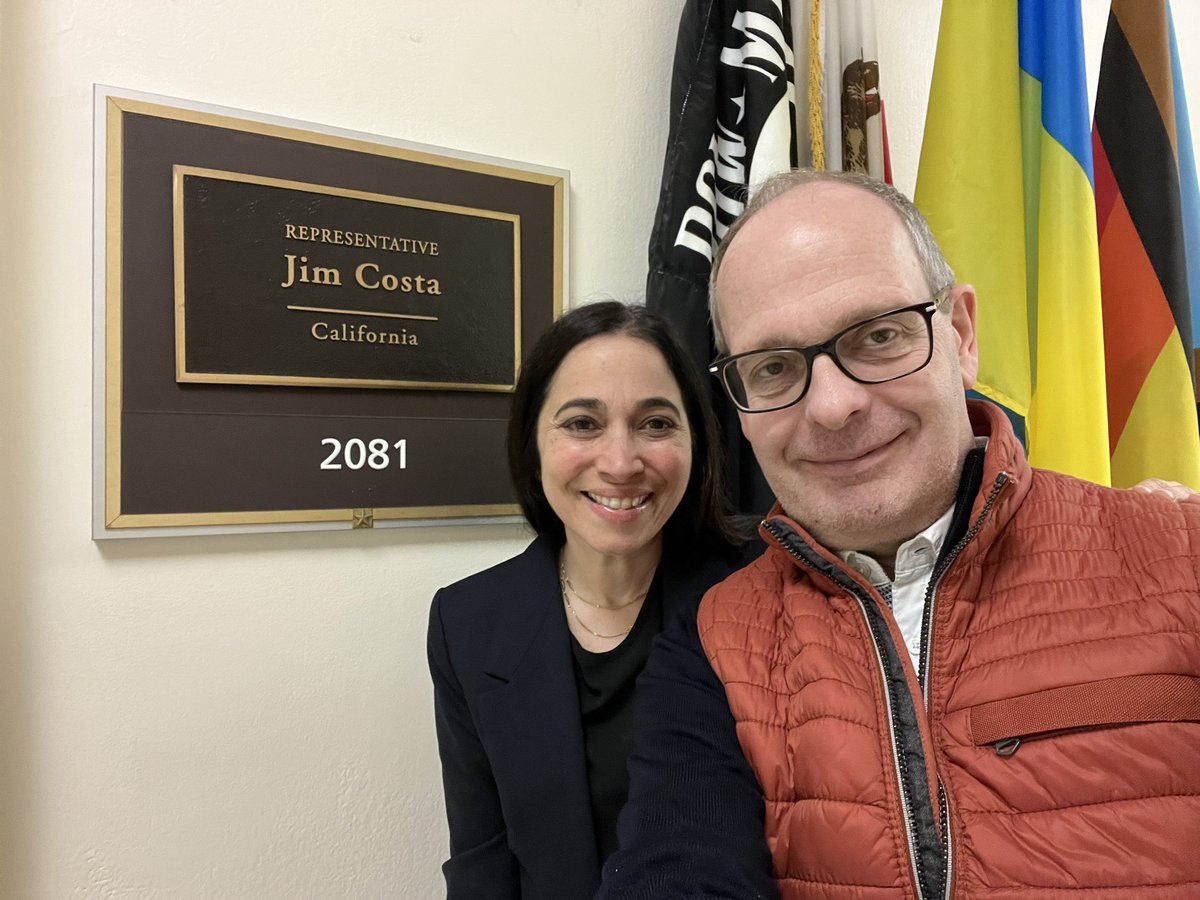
(614, 455)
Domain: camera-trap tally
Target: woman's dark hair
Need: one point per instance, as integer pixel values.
(701, 513)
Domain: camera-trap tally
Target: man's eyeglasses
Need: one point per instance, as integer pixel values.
(882, 348)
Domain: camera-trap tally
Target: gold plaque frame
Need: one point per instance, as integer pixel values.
(124, 435)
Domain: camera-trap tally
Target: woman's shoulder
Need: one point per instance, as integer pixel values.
(475, 618)
(535, 564)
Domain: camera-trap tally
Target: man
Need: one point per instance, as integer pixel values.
(948, 675)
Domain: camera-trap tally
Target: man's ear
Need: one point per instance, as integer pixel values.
(962, 318)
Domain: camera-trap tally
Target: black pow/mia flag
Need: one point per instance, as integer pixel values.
(732, 125)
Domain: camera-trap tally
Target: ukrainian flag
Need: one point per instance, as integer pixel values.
(1006, 182)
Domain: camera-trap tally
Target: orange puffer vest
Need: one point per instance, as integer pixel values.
(1054, 750)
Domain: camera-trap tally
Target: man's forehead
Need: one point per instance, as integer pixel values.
(829, 204)
(815, 260)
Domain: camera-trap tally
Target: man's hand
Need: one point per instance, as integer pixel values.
(1172, 489)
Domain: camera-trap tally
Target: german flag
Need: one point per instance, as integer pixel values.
(1145, 182)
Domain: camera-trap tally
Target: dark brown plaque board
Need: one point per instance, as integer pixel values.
(302, 327)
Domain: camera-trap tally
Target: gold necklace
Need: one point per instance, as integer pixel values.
(564, 583)
(584, 625)
(567, 586)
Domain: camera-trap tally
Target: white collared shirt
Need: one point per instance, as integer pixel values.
(914, 566)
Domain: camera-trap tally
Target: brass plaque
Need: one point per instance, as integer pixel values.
(282, 282)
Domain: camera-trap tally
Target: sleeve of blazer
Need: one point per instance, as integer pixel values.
(481, 866)
(693, 825)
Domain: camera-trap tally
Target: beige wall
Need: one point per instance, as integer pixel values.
(249, 716)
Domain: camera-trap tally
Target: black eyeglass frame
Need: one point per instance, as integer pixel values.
(927, 307)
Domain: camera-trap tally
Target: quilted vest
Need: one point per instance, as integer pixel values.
(1051, 745)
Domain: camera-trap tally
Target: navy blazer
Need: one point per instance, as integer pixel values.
(509, 730)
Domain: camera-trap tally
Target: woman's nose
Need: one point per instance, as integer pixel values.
(620, 457)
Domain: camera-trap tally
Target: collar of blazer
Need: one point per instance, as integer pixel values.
(530, 608)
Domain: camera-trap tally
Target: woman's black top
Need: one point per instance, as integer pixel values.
(605, 683)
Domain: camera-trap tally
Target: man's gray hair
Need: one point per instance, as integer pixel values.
(938, 274)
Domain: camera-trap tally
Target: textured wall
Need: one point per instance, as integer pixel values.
(249, 717)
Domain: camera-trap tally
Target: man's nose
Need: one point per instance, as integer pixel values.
(833, 397)
(620, 457)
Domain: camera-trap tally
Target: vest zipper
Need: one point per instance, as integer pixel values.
(936, 578)
(947, 841)
(927, 648)
(817, 564)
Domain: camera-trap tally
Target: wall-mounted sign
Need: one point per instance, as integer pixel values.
(304, 327)
(278, 282)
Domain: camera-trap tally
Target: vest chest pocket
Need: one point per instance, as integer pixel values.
(1129, 699)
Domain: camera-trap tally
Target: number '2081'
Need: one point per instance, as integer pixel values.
(356, 453)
